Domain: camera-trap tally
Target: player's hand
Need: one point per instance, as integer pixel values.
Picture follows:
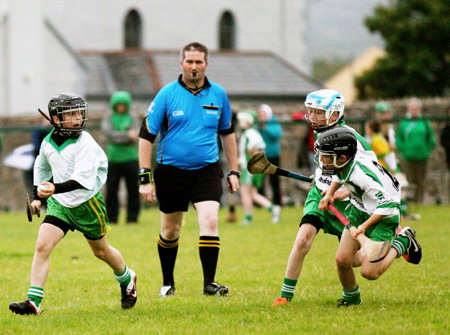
(312, 181)
(148, 192)
(233, 183)
(46, 190)
(323, 204)
(358, 231)
(37, 205)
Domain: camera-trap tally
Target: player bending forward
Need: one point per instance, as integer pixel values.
(79, 168)
(374, 210)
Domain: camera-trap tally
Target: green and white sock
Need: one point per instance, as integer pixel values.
(124, 278)
(36, 294)
(353, 296)
(400, 244)
(288, 288)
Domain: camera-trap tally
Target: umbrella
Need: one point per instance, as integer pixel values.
(21, 158)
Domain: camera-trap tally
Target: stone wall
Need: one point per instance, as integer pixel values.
(17, 131)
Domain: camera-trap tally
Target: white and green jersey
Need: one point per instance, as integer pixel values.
(80, 159)
(250, 139)
(323, 181)
(373, 190)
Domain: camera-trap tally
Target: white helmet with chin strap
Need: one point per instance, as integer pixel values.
(330, 101)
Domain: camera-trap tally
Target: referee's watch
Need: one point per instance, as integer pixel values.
(234, 173)
(145, 176)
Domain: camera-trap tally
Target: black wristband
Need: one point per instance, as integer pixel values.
(145, 176)
(234, 173)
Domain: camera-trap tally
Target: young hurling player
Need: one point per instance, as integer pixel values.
(325, 111)
(78, 167)
(374, 209)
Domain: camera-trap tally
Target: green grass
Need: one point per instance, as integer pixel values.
(82, 297)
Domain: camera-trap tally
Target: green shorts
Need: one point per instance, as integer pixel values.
(330, 224)
(89, 218)
(383, 230)
(255, 180)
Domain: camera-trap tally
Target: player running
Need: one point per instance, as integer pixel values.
(374, 209)
(78, 167)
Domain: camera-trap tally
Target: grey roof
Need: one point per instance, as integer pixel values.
(143, 73)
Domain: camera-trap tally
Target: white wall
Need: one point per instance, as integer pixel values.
(34, 65)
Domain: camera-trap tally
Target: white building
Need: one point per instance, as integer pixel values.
(41, 41)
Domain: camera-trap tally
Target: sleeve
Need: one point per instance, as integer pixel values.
(376, 192)
(156, 112)
(399, 140)
(255, 141)
(273, 130)
(114, 136)
(225, 121)
(42, 169)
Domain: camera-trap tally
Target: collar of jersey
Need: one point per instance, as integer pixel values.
(194, 91)
(347, 171)
(57, 147)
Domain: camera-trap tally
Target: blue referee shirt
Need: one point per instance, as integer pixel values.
(189, 123)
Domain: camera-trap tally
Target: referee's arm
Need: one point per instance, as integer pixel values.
(230, 150)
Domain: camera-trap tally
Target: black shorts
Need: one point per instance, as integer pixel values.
(175, 187)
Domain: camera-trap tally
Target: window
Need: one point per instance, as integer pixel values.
(227, 32)
(133, 30)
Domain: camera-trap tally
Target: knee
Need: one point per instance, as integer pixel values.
(343, 262)
(370, 274)
(42, 247)
(100, 254)
(302, 245)
(210, 222)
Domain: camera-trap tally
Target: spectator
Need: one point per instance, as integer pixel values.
(415, 140)
(384, 114)
(250, 143)
(271, 132)
(445, 142)
(121, 129)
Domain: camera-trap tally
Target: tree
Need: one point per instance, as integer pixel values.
(417, 36)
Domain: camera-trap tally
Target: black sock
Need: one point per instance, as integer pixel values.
(167, 251)
(209, 254)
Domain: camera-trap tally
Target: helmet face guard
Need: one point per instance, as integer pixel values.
(328, 101)
(331, 145)
(71, 112)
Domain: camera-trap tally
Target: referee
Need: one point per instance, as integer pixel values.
(188, 114)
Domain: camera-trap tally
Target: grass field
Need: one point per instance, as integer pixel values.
(82, 297)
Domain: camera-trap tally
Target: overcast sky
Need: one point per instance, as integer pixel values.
(337, 27)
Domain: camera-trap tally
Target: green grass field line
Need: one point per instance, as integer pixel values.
(82, 297)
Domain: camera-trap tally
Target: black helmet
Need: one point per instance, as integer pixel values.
(335, 143)
(64, 103)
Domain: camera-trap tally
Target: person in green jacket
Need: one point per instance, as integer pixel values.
(121, 129)
(415, 141)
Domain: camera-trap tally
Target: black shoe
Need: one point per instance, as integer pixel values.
(215, 289)
(342, 302)
(414, 250)
(167, 291)
(24, 308)
(129, 292)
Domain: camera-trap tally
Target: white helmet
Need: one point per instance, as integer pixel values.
(330, 101)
